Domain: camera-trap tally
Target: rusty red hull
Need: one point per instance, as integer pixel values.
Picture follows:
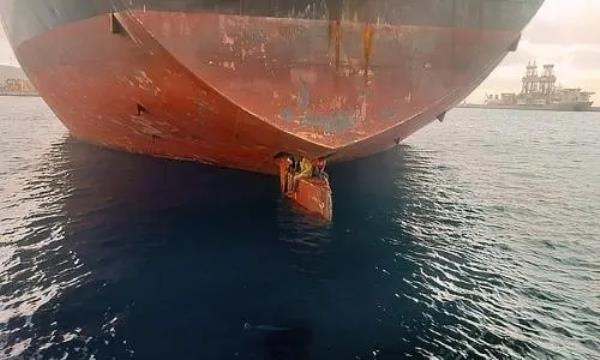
(236, 88)
(314, 195)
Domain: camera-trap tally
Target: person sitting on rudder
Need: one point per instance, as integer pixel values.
(319, 168)
(306, 171)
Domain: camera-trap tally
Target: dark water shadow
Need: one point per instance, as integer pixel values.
(171, 259)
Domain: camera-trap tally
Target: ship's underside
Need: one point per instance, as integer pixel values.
(235, 85)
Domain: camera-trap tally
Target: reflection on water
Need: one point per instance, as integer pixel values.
(105, 254)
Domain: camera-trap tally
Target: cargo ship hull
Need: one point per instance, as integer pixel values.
(237, 83)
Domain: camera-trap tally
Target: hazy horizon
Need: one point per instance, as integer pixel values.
(564, 33)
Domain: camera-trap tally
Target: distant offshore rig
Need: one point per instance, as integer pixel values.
(540, 92)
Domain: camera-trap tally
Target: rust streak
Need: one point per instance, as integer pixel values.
(335, 40)
(368, 38)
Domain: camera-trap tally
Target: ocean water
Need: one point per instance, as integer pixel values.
(476, 238)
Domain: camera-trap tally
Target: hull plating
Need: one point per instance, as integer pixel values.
(236, 91)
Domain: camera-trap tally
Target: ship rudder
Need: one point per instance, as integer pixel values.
(310, 191)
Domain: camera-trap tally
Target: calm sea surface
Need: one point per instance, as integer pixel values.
(477, 238)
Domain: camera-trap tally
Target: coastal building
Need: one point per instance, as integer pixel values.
(17, 87)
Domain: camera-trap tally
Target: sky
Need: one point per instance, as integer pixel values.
(565, 33)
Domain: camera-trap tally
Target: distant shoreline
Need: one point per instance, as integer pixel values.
(524, 108)
(19, 95)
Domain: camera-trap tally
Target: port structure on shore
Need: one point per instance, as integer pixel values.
(17, 87)
(541, 92)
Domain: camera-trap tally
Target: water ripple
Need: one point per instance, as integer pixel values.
(482, 246)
